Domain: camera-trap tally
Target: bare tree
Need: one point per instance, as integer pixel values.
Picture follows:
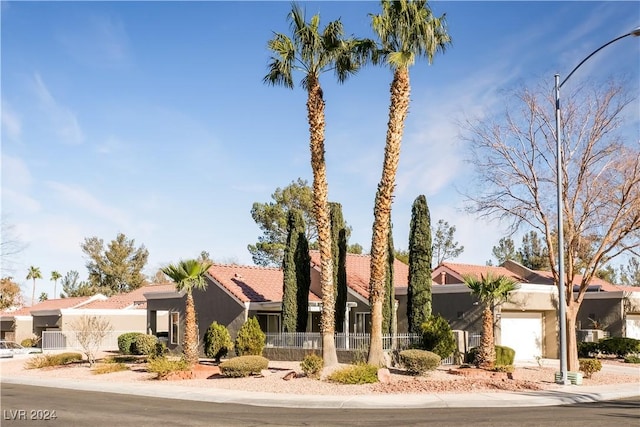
(90, 332)
(10, 246)
(515, 156)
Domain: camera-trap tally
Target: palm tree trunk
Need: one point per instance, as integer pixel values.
(33, 292)
(190, 349)
(315, 115)
(400, 91)
(487, 356)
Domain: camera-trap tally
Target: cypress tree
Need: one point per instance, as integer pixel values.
(339, 251)
(419, 291)
(290, 291)
(389, 291)
(303, 276)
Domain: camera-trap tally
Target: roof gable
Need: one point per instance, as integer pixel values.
(448, 273)
(251, 283)
(130, 300)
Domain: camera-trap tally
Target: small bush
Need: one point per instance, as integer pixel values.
(471, 355)
(217, 342)
(312, 365)
(144, 344)
(243, 366)
(632, 359)
(125, 341)
(107, 368)
(355, 374)
(588, 349)
(437, 337)
(163, 366)
(620, 346)
(250, 339)
(418, 362)
(28, 342)
(504, 368)
(505, 355)
(123, 359)
(160, 349)
(47, 360)
(590, 366)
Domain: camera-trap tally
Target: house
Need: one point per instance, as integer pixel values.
(528, 321)
(125, 312)
(236, 292)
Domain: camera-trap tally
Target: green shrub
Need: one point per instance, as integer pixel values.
(47, 360)
(471, 355)
(144, 345)
(28, 342)
(437, 337)
(125, 341)
(504, 368)
(250, 339)
(312, 365)
(632, 359)
(620, 346)
(505, 355)
(590, 366)
(160, 349)
(355, 374)
(243, 366)
(418, 362)
(217, 342)
(107, 368)
(162, 366)
(588, 349)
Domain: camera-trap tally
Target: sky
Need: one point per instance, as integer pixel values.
(151, 119)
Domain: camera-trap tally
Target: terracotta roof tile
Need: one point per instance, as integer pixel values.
(134, 299)
(358, 272)
(251, 283)
(50, 304)
(464, 270)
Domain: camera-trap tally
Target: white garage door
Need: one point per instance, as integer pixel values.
(523, 333)
(633, 326)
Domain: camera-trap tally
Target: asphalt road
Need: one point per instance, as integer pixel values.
(31, 406)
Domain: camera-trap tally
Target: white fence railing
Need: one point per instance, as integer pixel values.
(343, 341)
(66, 340)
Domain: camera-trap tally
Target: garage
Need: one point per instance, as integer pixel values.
(523, 333)
(632, 324)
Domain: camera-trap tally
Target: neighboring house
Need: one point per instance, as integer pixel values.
(528, 321)
(125, 312)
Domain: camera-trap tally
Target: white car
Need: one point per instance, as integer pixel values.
(10, 348)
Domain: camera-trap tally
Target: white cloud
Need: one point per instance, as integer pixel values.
(81, 198)
(61, 118)
(11, 122)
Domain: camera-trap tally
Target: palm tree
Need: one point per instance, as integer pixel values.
(407, 30)
(55, 276)
(34, 273)
(492, 291)
(313, 52)
(189, 275)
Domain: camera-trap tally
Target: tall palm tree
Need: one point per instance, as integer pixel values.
(55, 276)
(407, 30)
(34, 273)
(313, 52)
(189, 275)
(492, 291)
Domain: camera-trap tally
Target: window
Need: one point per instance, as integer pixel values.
(269, 323)
(174, 319)
(363, 322)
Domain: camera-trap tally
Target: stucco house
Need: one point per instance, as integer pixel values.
(528, 321)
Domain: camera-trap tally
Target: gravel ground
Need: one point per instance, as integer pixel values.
(525, 378)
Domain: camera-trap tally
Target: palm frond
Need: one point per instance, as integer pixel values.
(188, 275)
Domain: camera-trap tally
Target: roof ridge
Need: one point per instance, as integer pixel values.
(252, 267)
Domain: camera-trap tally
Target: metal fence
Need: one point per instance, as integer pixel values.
(343, 341)
(67, 340)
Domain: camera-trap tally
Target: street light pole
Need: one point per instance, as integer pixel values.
(562, 309)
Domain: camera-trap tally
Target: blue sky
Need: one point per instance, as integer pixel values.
(151, 119)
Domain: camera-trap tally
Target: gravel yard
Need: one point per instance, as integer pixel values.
(525, 378)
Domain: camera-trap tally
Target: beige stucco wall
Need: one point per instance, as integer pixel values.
(120, 320)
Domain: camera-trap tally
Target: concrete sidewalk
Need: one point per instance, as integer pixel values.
(568, 395)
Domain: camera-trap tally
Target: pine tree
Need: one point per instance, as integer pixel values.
(303, 278)
(339, 251)
(389, 294)
(420, 251)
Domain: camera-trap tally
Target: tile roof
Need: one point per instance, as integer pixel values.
(358, 272)
(251, 283)
(134, 299)
(463, 270)
(50, 304)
